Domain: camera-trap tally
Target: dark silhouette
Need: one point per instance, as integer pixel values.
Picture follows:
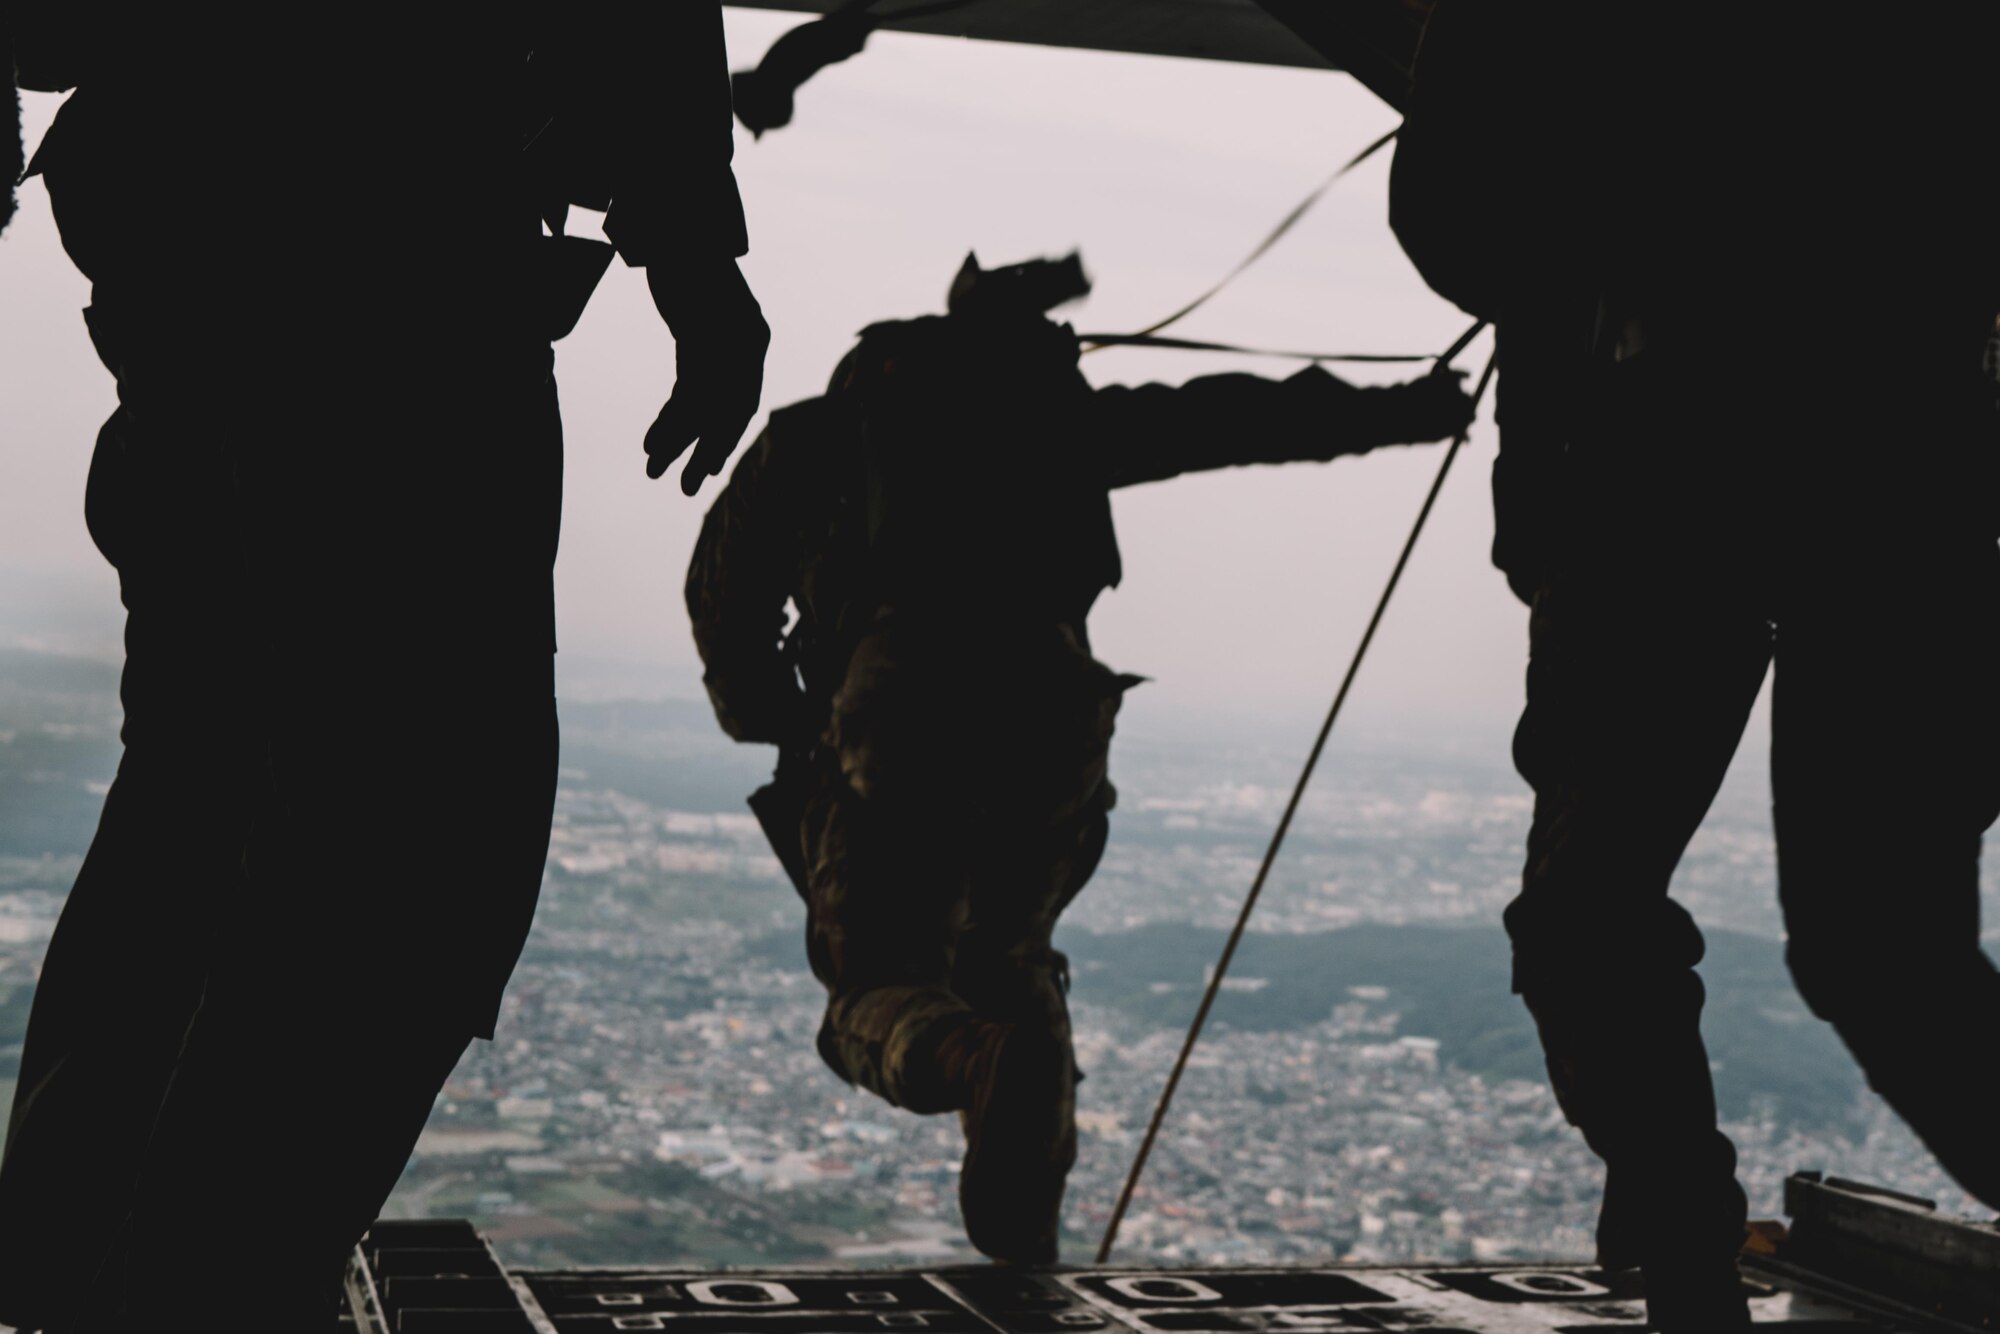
(764, 95)
(941, 519)
(331, 491)
(1743, 281)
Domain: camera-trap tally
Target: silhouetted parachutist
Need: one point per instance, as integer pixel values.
(941, 519)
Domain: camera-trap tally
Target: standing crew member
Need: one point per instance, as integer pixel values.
(1743, 276)
(331, 490)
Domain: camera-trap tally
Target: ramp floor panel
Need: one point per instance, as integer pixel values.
(1445, 1300)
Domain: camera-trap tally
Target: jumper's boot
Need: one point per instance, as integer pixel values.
(1020, 1136)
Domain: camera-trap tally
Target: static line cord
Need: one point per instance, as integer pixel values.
(1275, 235)
(1291, 809)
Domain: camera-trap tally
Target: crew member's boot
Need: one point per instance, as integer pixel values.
(1690, 1298)
(1020, 1136)
(1689, 1267)
(1637, 1083)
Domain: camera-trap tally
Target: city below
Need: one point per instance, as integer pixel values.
(1368, 1091)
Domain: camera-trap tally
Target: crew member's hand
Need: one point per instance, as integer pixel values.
(1435, 407)
(719, 343)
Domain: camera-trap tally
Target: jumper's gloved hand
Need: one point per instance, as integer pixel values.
(1435, 407)
(720, 338)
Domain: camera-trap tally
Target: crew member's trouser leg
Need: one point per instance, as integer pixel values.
(329, 1098)
(1886, 768)
(322, 1037)
(118, 987)
(123, 975)
(1635, 706)
(1649, 641)
(408, 744)
(325, 914)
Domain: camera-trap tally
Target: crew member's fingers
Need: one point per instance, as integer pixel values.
(719, 439)
(697, 470)
(676, 428)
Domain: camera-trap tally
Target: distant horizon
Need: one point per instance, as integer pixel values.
(585, 681)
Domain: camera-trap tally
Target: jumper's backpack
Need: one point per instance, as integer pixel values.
(974, 492)
(969, 532)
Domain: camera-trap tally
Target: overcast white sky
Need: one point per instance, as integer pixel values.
(1244, 592)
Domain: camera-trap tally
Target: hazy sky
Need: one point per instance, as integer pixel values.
(1243, 593)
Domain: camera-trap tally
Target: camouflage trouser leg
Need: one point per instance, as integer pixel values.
(956, 820)
(913, 940)
(885, 908)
